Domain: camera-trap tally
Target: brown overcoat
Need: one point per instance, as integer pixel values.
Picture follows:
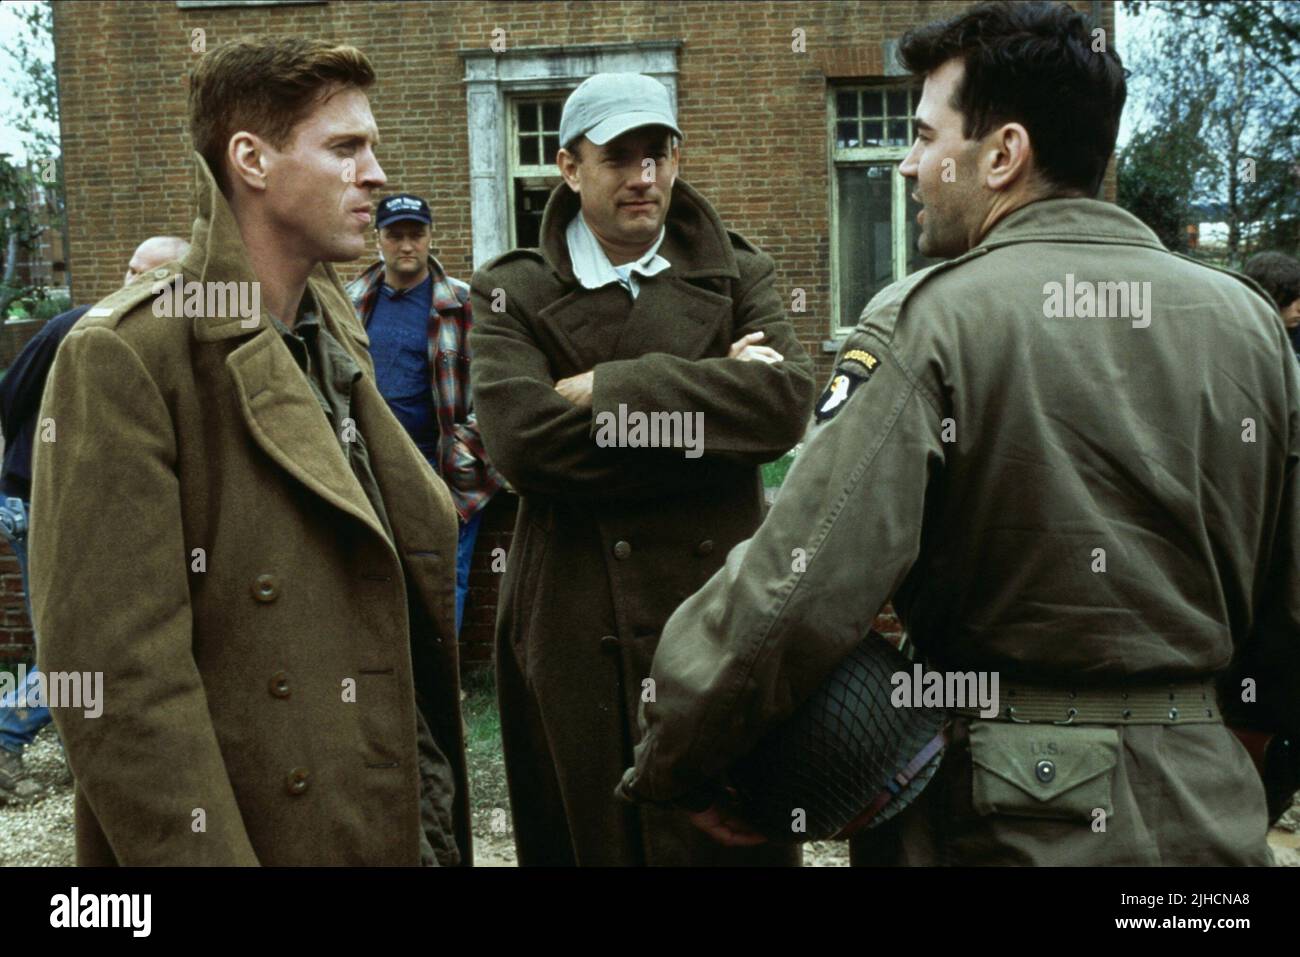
(198, 537)
(610, 540)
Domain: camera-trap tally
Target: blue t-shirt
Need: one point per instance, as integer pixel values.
(399, 345)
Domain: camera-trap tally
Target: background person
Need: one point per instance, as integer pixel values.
(418, 321)
(1279, 275)
(20, 400)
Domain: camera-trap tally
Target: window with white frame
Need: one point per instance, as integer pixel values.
(873, 216)
(534, 141)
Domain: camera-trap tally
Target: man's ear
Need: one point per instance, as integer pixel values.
(1009, 157)
(568, 166)
(249, 162)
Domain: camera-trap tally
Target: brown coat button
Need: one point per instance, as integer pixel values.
(705, 547)
(280, 684)
(266, 587)
(297, 781)
(609, 644)
(622, 550)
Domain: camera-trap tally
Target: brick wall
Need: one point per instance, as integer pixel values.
(484, 580)
(753, 111)
(15, 629)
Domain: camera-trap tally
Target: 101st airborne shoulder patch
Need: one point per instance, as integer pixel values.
(855, 367)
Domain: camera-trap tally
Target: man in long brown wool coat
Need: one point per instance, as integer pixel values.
(630, 376)
(231, 526)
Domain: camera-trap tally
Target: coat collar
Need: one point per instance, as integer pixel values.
(1062, 220)
(274, 396)
(367, 284)
(1072, 221)
(695, 241)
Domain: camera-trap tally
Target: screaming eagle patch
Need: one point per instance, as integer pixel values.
(855, 367)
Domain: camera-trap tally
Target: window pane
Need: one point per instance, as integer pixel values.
(846, 134)
(897, 102)
(527, 116)
(873, 102)
(530, 201)
(846, 104)
(551, 146)
(551, 117)
(528, 151)
(897, 135)
(863, 245)
(915, 260)
(872, 132)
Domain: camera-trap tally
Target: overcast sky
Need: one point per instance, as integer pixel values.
(11, 27)
(1124, 27)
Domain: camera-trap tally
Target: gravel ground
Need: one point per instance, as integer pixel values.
(41, 834)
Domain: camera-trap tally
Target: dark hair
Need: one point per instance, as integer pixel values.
(1033, 64)
(1279, 274)
(266, 87)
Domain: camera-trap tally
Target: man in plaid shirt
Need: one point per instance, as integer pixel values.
(418, 319)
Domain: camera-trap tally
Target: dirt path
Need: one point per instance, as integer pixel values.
(41, 834)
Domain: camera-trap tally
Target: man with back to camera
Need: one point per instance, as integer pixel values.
(1088, 489)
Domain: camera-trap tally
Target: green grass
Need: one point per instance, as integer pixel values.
(774, 472)
(489, 796)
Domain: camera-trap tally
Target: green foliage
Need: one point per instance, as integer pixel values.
(489, 794)
(1155, 186)
(31, 77)
(35, 83)
(1218, 86)
(1269, 29)
(32, 303)
(774, 472)
(47, 307)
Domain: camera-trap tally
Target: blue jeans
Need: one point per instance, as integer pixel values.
(464, 552)
(19, 726)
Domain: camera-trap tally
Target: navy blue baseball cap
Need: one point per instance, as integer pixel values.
(393, 209)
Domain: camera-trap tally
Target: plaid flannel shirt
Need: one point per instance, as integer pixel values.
(462, 462)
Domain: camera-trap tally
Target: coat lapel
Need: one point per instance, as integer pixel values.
(585, 326)
(414, 500)
(276, 401)
(671, 315)
(412, 497)
(286, 421)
